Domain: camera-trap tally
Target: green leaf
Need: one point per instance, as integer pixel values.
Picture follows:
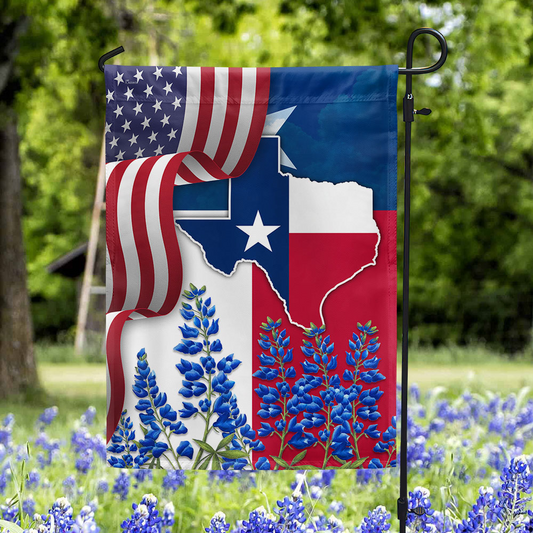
(368, 324)
(308, 467)
(337, 458)
(11, 528)
(225, 441)
(354, 464)
(216, 463)
(205, 463)
(298, 458)
(281, 462)
(206, 447)
(232, 454)
(193, 287)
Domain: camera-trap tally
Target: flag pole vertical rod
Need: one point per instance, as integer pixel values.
(409, 113)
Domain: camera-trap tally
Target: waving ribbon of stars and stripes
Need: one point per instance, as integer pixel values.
(165, 127)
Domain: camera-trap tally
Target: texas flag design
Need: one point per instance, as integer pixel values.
(266, 338)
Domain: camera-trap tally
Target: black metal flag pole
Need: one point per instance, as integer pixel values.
(409, 113)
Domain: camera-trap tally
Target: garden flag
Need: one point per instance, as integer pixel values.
(251, 267)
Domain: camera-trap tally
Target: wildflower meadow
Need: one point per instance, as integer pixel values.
(470, 458)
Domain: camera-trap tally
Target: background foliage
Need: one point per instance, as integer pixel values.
(472, 259)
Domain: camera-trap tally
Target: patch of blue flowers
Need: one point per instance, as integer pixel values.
(208, 385)
(502, 506)
(322, 408)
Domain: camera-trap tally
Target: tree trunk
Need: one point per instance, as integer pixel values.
(18, 372)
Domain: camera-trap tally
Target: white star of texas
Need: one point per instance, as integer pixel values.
(172, 134)
(152, 137)
(165, 120)
(146, 123)
(113, 142)
(107, 128)
(118, 111)
(157, 105)
(138, 75)
(176, 102)
(258, 233)
(157, 73)
(126, 125)
(118, 78)
(120, 155)
(139, 152)
(133, 139)
(167, 88)
(109, 96)
(159, 150)
(148, 90)
(177, 70)
(129, 93)
(138, 108)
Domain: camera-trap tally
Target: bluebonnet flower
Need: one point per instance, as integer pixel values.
(517, 481)
(209, 381)
(28, 505)
(6, 430)
(169, 514)
(87, 418)
(84, 522)
(173, 480)
(59, 518)
(224, 476)
(47, 416)
(10, 513)
(102, 487)
(377, 521)
(69, 484)
(388, 443)
(218, 524)
(317, 401)
(33, 480)
(419, 498)
(366, 475)
(50, 449)
(145, 517)
(158, 420)
(336, 507)
(122, 484)
(291, 512)
(84, 461)
(484, 516)
(123, 443)
(140, 476)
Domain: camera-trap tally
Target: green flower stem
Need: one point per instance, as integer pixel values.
(390, 452)
(248, 451)
(210, 411)
(327, 410)
(283, 401)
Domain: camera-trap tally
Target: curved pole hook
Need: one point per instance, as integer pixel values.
(109, 55)
(409, 58)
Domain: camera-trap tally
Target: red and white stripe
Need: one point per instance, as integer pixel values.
(225, 112)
